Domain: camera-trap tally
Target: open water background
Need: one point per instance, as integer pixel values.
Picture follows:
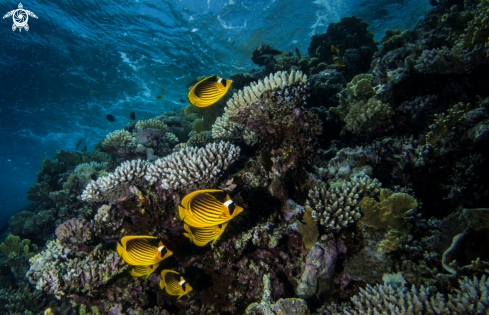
(82, 60)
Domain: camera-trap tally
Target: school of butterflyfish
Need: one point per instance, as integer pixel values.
(205, 214)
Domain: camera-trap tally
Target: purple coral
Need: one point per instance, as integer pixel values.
(75, 231)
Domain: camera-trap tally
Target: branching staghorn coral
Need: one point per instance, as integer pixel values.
(477, 31)
(193, 167)
(60, 270)
(115, 185)
(337, 206)
(471, 298)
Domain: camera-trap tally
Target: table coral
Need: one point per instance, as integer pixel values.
(116, 184)
(193, 167)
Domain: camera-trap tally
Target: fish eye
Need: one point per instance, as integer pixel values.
(220, 226)
(231, 208)
(184, 287)
(223, 82)
(163, 251)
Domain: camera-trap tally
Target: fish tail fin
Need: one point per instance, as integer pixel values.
(120, 249)
(162, 284)
(282, 52)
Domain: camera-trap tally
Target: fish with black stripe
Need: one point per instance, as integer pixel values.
(207, 208)
(202, 236)
(142, 250)
(173, 284)
(208, 91)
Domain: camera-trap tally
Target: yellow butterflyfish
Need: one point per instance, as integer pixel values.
(142, 250)
(208, 91)
(207, 208)
(202, 236)
(173, 284)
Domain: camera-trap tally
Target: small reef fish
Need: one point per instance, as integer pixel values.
(336, 56)
(183, 101)
(162, 90)
(139, 271)
(132, 115)
(173, 284)
(208, 91)
(79, 144)
(272, 53)
(110, 118)
(202, 236)
(159, 97)
(142, 250)
(207, 208)
(298, 53)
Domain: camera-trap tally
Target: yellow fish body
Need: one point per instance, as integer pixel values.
(202, 236)
(139, 271)
(207, 208)
(208, 91)
(173, 286)
(142, 250)
(336, 56)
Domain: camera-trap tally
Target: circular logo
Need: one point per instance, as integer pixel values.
(20, 18)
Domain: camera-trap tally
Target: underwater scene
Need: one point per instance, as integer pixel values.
(269, 157)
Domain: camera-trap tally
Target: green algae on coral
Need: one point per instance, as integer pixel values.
(388, 214)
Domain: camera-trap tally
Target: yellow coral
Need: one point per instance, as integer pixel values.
(444, 122)
(367, 116)
(388, 214)
(360, 86)
(116, 139)
(152, 123)
(309, 230)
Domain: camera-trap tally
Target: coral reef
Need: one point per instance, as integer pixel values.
(116, 185)
(354, 41)
(270, 115)
(469, 299)
(22, 301)
(338, 206)
(302, 145)
(75, 231)
(193, 167)
(60, 270)
(389, 214)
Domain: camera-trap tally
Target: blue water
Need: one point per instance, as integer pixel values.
(82, 60)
